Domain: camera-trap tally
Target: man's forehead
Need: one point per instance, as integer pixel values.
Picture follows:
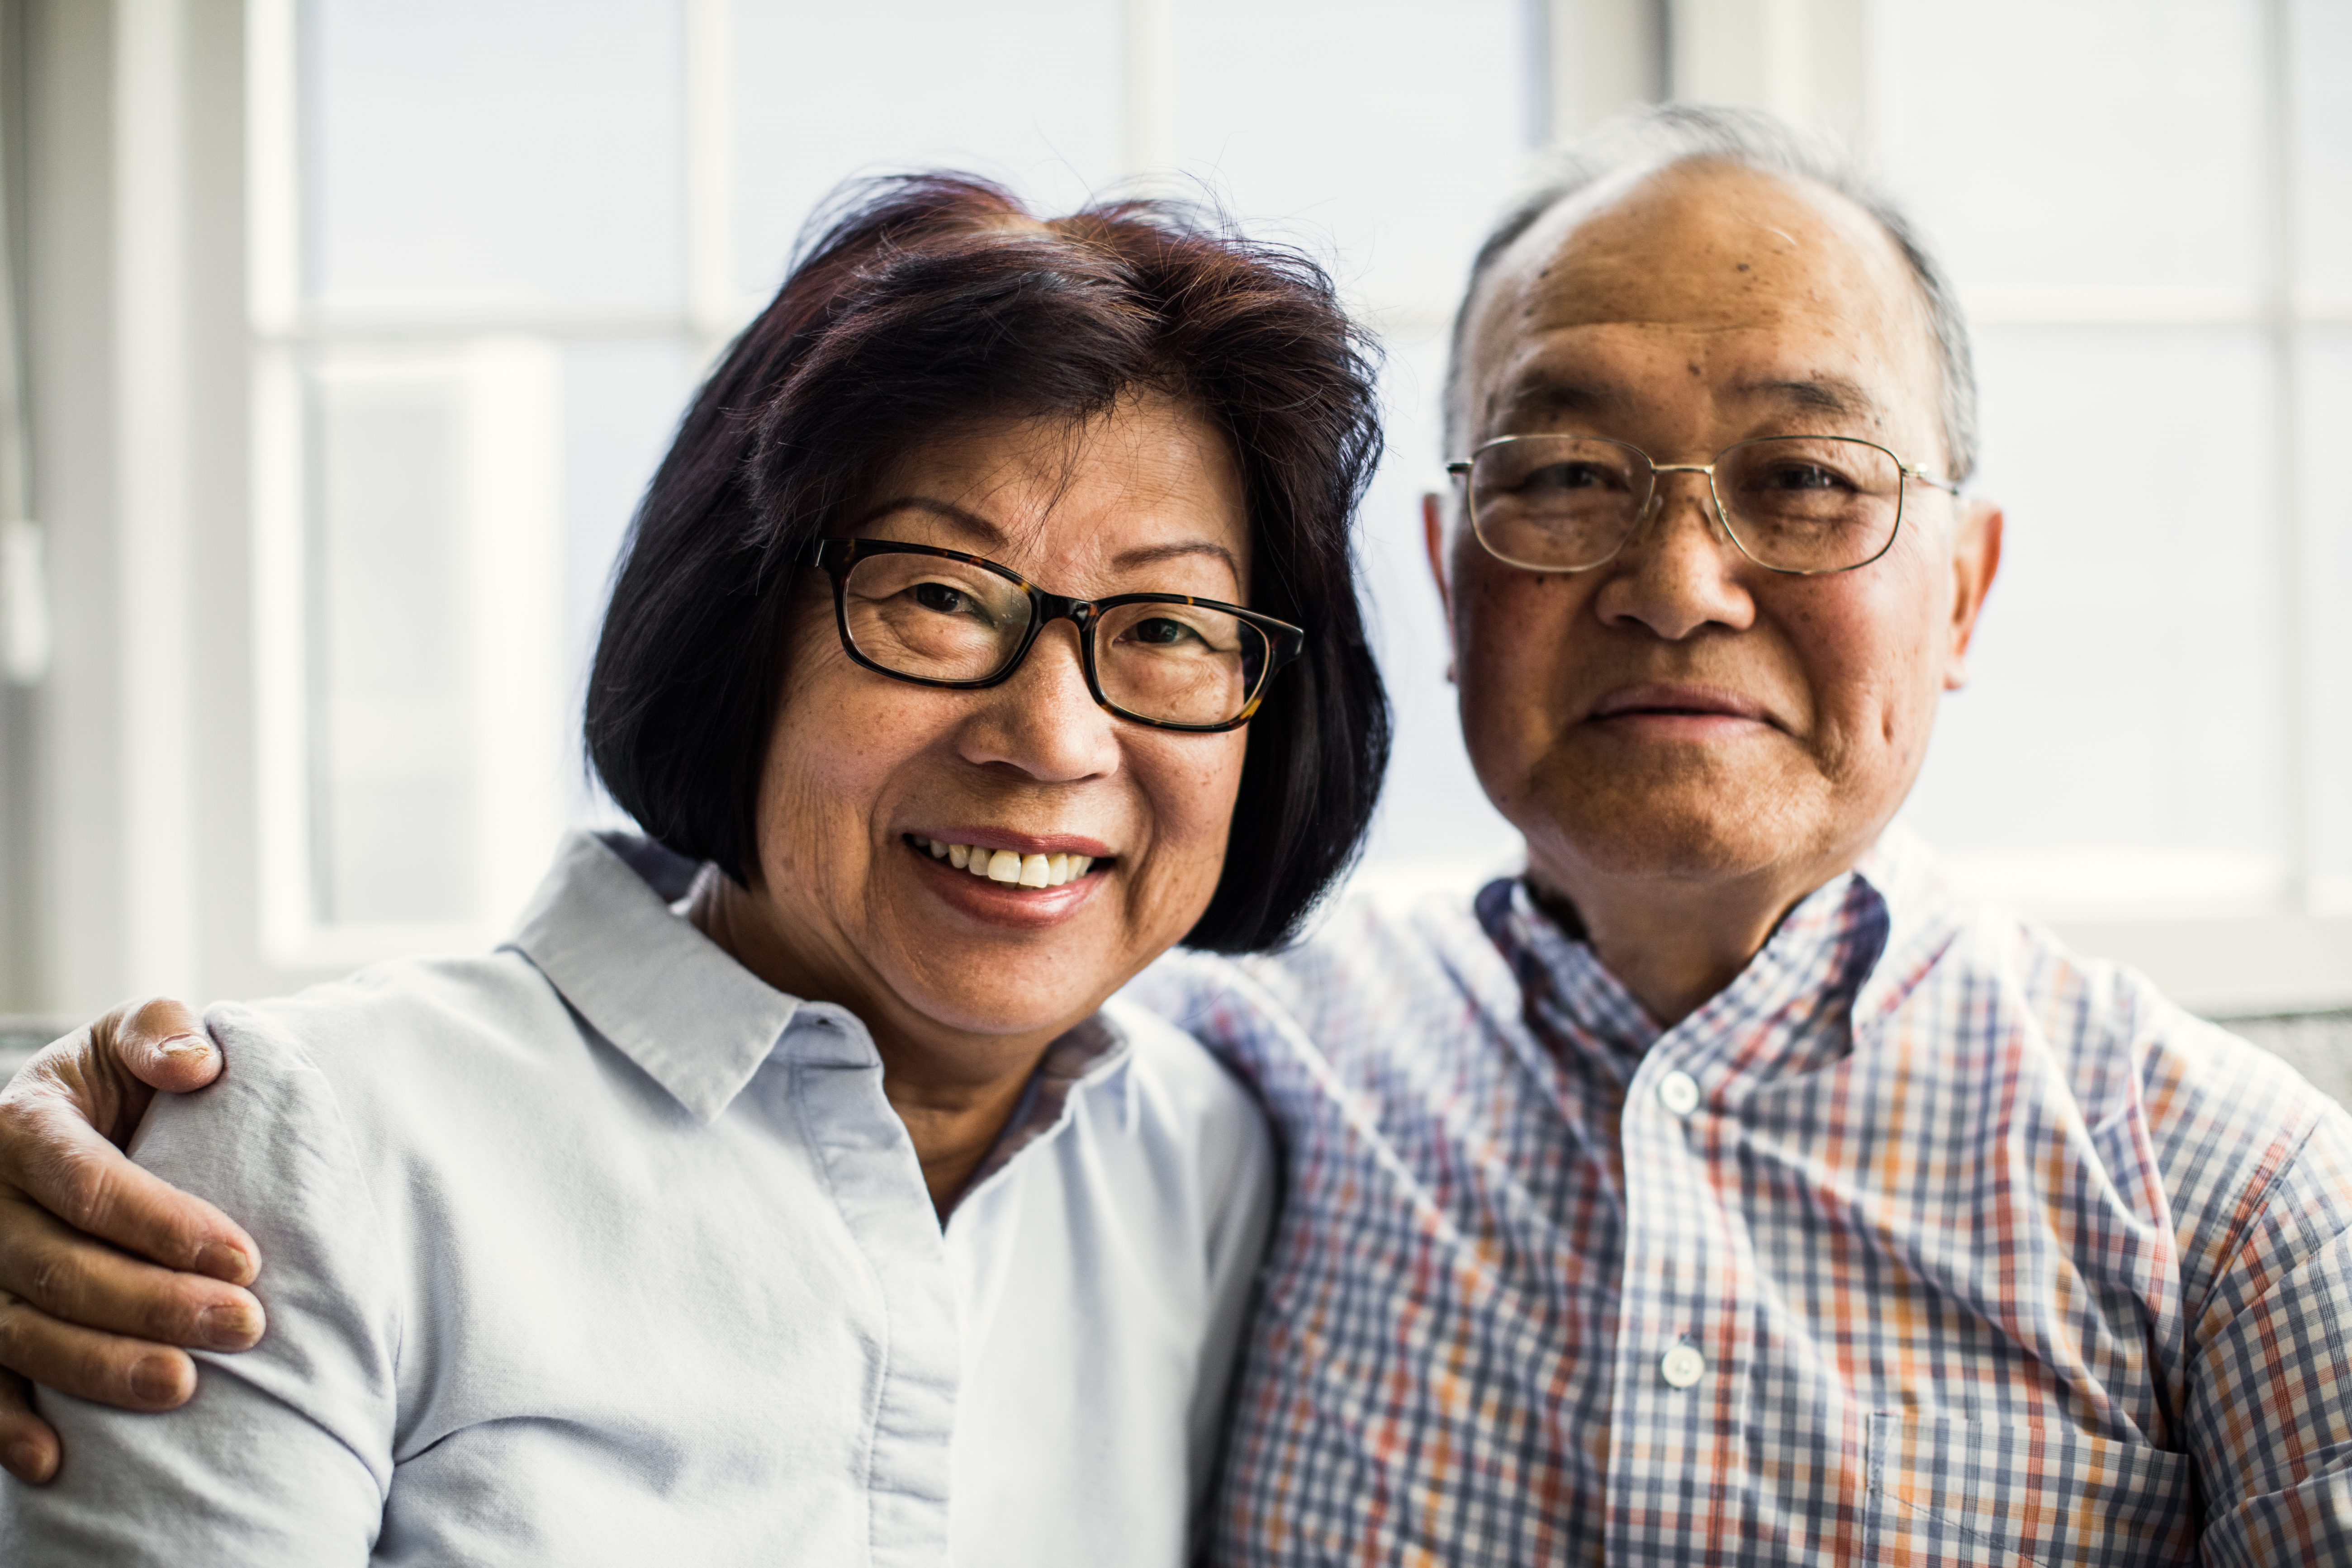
(1698, 250)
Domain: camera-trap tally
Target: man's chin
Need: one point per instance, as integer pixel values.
(1679, 829)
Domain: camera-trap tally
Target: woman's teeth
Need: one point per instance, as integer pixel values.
(1004, 866)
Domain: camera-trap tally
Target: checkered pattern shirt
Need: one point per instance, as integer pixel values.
(1923, 1242)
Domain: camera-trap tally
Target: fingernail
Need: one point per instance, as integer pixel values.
(155, 1378)
(222, 1261)
(233, 1326)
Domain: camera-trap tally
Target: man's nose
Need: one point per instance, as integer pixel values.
(1043, 721)
(1680, 570)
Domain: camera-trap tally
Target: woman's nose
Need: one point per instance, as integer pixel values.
(1680, 570)
(1044, 720)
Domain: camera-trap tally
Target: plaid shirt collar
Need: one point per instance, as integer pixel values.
(1849, 951)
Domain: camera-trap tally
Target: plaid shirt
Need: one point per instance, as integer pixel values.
(1923, 1242)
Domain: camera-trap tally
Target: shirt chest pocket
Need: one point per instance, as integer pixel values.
(1946, 1492)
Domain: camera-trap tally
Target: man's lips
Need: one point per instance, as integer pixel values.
(1676, 700)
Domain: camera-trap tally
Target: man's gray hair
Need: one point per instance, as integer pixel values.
(1660, 136)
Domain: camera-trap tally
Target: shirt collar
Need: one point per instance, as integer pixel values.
(1922, 911)
(1868, 934)
(1088, 1051)
(601, 930)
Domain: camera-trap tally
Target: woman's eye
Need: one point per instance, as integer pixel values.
(942, 598)
(1160, 631)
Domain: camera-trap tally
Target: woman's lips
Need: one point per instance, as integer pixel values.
(1026, 863)
(1030, 902)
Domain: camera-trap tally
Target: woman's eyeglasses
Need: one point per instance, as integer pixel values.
(1799, 504)
(941, 617)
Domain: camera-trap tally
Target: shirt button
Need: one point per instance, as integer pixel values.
(1682, 1365)
(1678, 1092)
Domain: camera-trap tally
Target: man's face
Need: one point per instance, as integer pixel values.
(1681, 713)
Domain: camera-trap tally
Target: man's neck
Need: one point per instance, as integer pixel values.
(1674, 942)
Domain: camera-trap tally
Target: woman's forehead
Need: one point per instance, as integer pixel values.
(1149, 483)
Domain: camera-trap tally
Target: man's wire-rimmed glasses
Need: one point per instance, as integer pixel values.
(1799, 504)
(941, 617)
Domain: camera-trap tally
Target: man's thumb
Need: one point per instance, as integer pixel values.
(162, 1044)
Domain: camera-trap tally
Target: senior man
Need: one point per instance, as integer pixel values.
(1725, 1188)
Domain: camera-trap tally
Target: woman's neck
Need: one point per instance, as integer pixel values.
(954, 1092)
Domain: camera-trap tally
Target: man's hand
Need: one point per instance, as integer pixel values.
(78, 1315)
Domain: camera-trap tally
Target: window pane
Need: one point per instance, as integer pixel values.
(471, 159)
(2118, 741)
(2083, 143)
(1029, 90)
(2321, 63)
(2328, 501)
(1385, 130)
(392, 799)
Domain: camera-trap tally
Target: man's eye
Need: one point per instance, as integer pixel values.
(1573, 476)
(939, 596)
(1804, 477)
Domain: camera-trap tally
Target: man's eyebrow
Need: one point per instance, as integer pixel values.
(1815, 394)
(1553, 397)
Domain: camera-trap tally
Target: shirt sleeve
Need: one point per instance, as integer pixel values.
(2269, 1405)
(284, 1454)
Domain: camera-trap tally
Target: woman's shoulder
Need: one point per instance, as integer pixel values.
(1172, 1061)
(1177, 1088)
(397, 1015)
(404, 1047)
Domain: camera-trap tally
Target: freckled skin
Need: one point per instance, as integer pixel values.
(1681, 853)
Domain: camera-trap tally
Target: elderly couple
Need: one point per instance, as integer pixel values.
(823, 1176)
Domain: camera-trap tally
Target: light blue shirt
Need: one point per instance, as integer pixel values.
(597, 1249)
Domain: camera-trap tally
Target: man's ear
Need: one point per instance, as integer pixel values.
(1976, 558)
(1433, 536)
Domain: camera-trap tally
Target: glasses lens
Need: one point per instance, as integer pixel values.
(1556, 501)
(1180, 664)
(934, 618)
(1810, 503)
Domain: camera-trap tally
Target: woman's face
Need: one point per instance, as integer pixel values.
(864, 773)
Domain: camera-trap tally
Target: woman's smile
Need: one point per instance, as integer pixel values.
(1010, 879)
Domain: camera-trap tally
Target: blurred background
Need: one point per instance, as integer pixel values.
(343, 335)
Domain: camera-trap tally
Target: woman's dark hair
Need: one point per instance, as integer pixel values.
(925, 302)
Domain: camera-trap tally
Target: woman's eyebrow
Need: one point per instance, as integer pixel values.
(970, 521)
(1150, 554)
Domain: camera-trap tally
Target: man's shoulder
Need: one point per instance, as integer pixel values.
(2218, 1110)
(1374, 969)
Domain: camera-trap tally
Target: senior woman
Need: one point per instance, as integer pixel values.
(786, 1189)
